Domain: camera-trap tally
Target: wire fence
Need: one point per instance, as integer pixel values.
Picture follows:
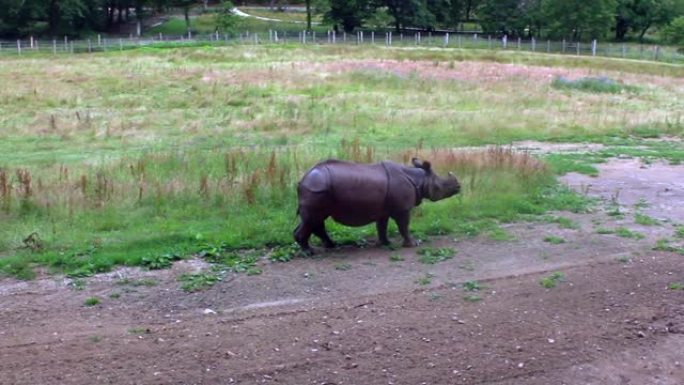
(373, 38)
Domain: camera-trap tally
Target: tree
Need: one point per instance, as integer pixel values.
(577, 19)
(502, 16)
(350, 14)
(185, 5)
(226, 20)
(410, 13)
(461, 11)
(674, 32)
(640, 15)
(308, 14)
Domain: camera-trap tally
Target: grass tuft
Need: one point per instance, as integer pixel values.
(592, 84)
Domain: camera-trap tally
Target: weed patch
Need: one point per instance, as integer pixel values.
(603, 230)
(675, 286)
(472, 286)
(554, 240)
(425, 280)
(679, 232)
(552, 280)
(199, 281)
(432, 255)
(472, 298)
(627, 233)
(645, 220)
(665, 245)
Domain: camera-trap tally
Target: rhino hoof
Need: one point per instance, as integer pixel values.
(410, 243)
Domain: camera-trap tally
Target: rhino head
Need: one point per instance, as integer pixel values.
(435, 187)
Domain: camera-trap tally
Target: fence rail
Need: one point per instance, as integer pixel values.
(411, 39)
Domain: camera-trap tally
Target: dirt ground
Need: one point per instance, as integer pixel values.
(353, 316)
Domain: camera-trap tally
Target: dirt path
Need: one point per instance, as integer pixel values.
(355, 317)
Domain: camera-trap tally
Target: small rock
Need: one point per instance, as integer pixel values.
(551, 340)
(520, 365)
(208, 311)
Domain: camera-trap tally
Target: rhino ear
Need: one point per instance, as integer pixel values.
(417, 163)
(427, 167)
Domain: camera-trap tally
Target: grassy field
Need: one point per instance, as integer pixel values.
(139, 156)
(291, 22)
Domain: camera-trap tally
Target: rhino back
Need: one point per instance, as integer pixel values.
(358, 184)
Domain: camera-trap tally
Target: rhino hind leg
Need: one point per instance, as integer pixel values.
(402, 221)
(381, 226)
(322, 233)
(301, 235)
(311, 224)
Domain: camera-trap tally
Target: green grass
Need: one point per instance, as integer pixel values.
(592, 84)
(343, 266)
(472, 286)
(679, 232)
(554, 240)
(645, 220)
(603, 230)
(192, 282)
(172, 149)
(472, 298)
(432, 255)
(396, 258)
(91, 301)
(205, 24)
(552, 280)
(665, 245)
(675, 286)
(563, 222)
(627, 233)
(425, 280)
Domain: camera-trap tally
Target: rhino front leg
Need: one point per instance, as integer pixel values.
(402, 221)
(381, 225)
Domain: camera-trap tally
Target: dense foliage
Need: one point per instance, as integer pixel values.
(571, 19)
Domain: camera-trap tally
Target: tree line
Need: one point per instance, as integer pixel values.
(570, 19)
(72, 17)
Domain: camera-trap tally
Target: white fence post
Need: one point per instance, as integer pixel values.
(19, 47)
(593, 47)
(504, 41)
(446, 39)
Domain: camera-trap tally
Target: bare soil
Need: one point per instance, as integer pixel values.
(353, 316)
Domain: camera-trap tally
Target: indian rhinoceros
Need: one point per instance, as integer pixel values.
(357, 194)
